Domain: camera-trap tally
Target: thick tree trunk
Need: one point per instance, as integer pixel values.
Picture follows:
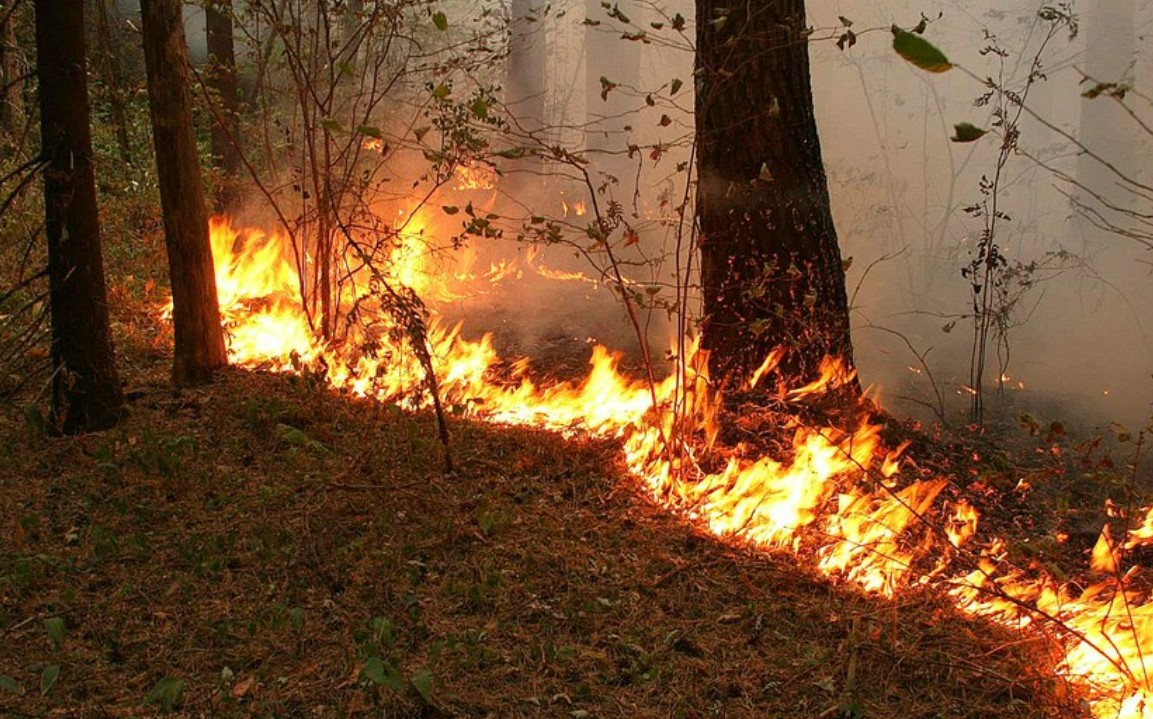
(199, 350)
(85, 386)
(222, 80)
(771, 272)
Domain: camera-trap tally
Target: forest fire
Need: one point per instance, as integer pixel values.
(837, 496)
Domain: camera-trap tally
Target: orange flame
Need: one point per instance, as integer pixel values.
(476, 176)
(862, 525)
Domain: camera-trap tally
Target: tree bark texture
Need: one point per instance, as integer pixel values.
(771, 270)
(223, 81)
(85, 385)
(199, 342)
(11, 76)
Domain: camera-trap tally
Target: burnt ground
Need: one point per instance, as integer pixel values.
(266, 548)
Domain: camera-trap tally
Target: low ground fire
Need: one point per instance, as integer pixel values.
(836, 497)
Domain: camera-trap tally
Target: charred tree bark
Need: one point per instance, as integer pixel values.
(199, 344)
(771, 271)
(85, 386)
(223, 82)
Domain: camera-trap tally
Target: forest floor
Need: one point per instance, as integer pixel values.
(266, 547)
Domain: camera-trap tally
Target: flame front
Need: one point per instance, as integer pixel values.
(837, 496)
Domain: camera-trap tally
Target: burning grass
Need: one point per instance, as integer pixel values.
(295, 551)
(262, 541)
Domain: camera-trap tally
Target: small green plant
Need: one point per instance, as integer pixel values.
(55, 628)
(381, 672)
(161, 455)
(168, 694)
(48, 678)
(297, 440)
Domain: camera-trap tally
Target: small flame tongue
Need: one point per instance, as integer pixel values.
(837, 484)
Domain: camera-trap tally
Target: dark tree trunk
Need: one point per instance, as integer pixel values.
(199, 350)
(85, 386)
(771, 272)
(226, 120)
(109, 64)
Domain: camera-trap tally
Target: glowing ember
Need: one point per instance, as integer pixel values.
(837, 496)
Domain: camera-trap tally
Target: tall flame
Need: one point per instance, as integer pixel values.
(837, 495)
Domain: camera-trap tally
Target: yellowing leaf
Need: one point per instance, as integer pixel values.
(919, 51)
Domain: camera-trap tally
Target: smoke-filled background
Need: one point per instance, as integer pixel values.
(614, 84)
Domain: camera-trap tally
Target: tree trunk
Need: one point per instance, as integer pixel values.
(109, 65)
(199, 349)
(771, 271)
(85, 386)
(609, 107)
(11, 76)
(1110, 56)
(226, 120)
(525, 82)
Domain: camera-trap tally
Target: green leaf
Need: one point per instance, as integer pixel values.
(331, 125)
(383, 632)
(369, 131)
(48, 678)
(967, 132)
(441, 91)
(55, 628)
(422, 683)
(381, 673)
(479, 108)
(9, 684)
(440, 21)
(919, 51)
(168, 694)
(676, 86)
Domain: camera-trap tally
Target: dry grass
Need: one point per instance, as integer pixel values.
(263, 539)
